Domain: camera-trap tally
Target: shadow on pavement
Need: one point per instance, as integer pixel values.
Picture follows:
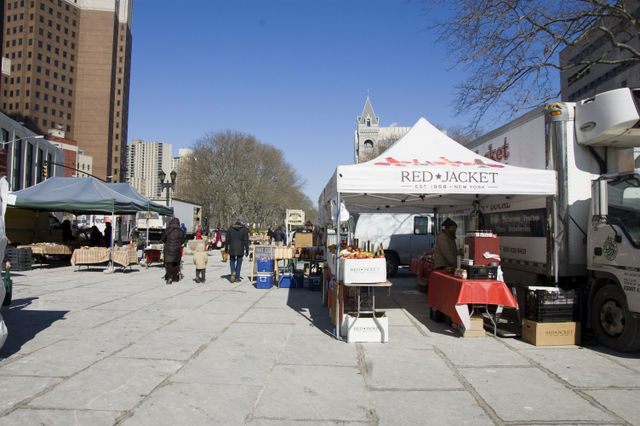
(24, 324)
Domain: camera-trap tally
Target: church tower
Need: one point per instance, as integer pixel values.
(367, 135)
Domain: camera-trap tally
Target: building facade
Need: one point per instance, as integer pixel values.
(25, 157)
(144, 162)
(584, 81)
(372, 140)
(66, 66)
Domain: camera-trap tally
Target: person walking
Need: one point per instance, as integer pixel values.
(237, 245)
(278, 236)
(198, 234)
(200, 259)
(172, 237)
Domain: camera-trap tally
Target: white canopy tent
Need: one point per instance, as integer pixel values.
(424, 170)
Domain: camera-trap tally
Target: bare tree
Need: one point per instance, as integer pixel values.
(231, 173)
(511, 47)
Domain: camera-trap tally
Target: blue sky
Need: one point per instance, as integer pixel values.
(293, 73)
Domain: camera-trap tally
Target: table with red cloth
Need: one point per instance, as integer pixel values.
(94, 255)
(451, 295)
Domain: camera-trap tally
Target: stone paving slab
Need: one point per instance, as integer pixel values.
(529, 395)
(586, 369)
(113, 384)
(91, 348)
(456, 407)
(406, 369)
(623, 402)
(195, 404)
(317, 350)
(299, 392)
(59, 417)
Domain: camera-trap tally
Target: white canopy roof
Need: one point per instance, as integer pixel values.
(426, 169)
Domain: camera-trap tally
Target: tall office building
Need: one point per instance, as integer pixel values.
(584, 81)
(145, 160)
(66, 66)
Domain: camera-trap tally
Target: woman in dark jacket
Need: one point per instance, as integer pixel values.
(172, 237)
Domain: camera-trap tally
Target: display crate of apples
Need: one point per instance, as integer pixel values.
(361, 266)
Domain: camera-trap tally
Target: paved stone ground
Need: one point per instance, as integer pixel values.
(90, 348)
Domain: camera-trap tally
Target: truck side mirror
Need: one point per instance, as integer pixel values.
(600, 199)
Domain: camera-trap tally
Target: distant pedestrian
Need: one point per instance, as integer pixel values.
(237, 245)
(278, 236)
(172, 237)
(198, 234)
(107, 234)
(184, 233)
(200, 259)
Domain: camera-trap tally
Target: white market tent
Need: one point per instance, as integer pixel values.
(424, 170)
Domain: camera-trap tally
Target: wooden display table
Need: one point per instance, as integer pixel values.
(97, 255)
(451, 295)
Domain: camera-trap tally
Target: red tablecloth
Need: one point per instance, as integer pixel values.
(447, 291)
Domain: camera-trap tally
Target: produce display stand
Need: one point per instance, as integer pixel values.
(371, 298)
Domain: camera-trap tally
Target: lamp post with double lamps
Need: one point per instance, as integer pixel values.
(162, 175)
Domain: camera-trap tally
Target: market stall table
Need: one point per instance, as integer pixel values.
(452, 295)
(96, 255)
(49, 249)
(371, 295)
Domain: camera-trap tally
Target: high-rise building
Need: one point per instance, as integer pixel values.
(589, 79)
(145, 160)
(66, 66)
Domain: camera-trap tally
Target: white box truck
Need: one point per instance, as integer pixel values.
(403, 236)
(588, 235)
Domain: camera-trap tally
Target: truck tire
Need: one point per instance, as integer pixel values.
(392, 264)
(612, 322)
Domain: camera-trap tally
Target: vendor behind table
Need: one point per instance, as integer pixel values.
(446, 251)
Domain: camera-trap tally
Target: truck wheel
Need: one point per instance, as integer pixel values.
(392, 264)
(612, 322)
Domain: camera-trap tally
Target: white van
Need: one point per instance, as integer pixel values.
(403, 236)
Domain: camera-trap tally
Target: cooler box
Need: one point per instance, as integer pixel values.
(265, 265)
(475, 247)
(298, 281)
(315, 283)
(264, 280)
(286, 281)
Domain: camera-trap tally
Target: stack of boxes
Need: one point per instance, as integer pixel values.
(20, 258)
(265, 275)
(551, 317)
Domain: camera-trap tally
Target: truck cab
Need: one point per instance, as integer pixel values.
(614, 261)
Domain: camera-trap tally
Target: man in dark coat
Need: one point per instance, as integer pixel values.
(172, 237)
(278, 236)
(237, 244)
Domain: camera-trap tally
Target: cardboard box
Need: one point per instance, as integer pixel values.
(476, 330)
(551, 333)
(365, 329)
(363, 270)
(303, 239)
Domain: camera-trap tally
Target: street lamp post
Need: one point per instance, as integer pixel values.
(19, 139)
(162, 175)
